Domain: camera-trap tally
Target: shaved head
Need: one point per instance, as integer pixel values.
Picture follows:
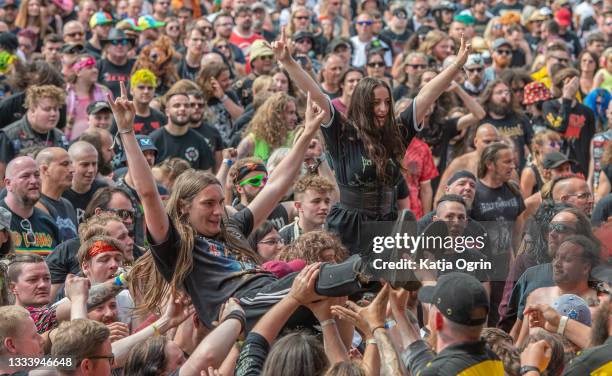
(81, 148)
(16, 165)
(48, 155)
(486, 134)
(22, 181)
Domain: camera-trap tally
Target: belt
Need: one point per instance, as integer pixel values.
(378, 202)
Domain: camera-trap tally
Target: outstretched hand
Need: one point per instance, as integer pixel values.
(282, 48)
(303, 288)
(123, 109)
(179, 308)
(464, 52)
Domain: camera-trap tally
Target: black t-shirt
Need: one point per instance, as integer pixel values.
(43, 235)
(501, 8)
(252, 355)
(594, 361)
(279, 216)
(80, 200)
(519, 130)
(602, 210)
(352, 166)
(576, 126)
(439, 140)
(110, 75)
(519, 59)
(212, 136)
(64, 215)
(191, 147)
(219, 117)
(11, 110)
(187, 72)
(63, 260)
(497, 209)
(146, 125)
(219, 271)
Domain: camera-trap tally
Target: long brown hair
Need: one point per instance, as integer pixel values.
(185, 189)
(360, 117)
(268, 123)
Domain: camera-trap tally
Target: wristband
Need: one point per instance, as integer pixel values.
(237, 315)
(371, 341)
(527, 369)
(156, 331)
(377, 327)
(118, 281)
(562, 324)
(228, 162)
(390, 324)
(126, 131)
(325, 323)
(224, 98)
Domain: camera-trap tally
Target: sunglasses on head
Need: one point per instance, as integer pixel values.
(560, 228)
(256, 181)
(30, 237)
(365, 23)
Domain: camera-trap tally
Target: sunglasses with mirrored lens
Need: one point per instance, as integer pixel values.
(256, 181)
(120, 42)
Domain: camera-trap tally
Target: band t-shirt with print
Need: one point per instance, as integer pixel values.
(37, 234)
(191, 147)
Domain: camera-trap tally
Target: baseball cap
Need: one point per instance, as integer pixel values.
(555, 159)
(95, 107)
(5, 218)
(474, 60)
(459, 297)
(145, 143)
(259, 6)
(148, 22)
(100, 18)
(5, 3)
(501, 42)
(536, 15)
(563, 17)
(574, 307)
(339, 42)
(302, 35)
(466, 19)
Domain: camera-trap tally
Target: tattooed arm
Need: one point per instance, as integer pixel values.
(98, 294)
(391, 364)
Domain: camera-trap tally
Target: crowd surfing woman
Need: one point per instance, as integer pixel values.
(368, 144)
(194, 245)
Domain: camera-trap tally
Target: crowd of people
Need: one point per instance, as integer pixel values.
(201, 187)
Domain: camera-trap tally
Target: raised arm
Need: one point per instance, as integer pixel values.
(302, 79)
(287, 171)
(142, 176)
(434, 88)
(476, 114)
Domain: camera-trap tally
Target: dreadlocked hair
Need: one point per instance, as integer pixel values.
(186, 187)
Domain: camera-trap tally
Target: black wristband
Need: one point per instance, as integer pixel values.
(238, 315)
(525, 369)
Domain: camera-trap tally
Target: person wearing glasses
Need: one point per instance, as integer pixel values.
(100, 24)
(557, 57)
(397, 30)
(502, 56)
(261, 61)
(475, 82)
(267, 242)
(574, 191)
(408, 75)
(74, 33)
(365, 36)
(116, 65)
(32, 229)
(242, 34)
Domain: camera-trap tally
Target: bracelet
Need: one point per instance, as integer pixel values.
(228, 162)
(377, 327)
(390, 324)
(126, 131)
(562, 324)
(329, 322)
(224, 98)
(237, 315)
(526, 369)
(156, 331)
(371, 341)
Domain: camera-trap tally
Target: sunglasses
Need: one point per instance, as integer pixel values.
(120, 42)
(417, 66)
(122, 213)
(561, 228)
(504, 52)
(302, 18)
(376, 64)
(561, 60)
(256, 181)
(582, 196)
(365, 23)
(474, 70)
(554, 144)
(26, 225)
(75, 34)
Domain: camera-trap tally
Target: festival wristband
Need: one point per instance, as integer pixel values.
(228, 162)
(562, 324)
(237, 315)
(325, 323)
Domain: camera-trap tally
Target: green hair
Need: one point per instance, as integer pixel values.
(143, 75)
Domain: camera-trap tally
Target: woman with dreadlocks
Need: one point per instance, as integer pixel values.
(368, 144)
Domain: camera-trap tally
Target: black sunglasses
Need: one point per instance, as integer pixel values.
(122, 213)
(561, 228)
(377, 64)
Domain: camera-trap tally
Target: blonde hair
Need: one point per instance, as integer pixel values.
(268, 123)
(34, 94)
(22, 18)
(79, 339)
(290, 30)
(538, 141)
(10, 317)
(431, 40)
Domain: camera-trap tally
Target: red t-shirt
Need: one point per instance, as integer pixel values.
(244, 43)
(420, 167)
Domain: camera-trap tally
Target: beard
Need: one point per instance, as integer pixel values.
(105, 168)
(502, 62)
(502, 109)
(195, 119)
(179, 122)
(249, 196)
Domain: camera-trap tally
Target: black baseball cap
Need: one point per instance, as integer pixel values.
(459, 297)
(145, 143)
(95, 107)
(70, 48)
(555, 159)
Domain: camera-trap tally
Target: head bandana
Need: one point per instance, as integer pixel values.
(100, 247)
(248, 168)
(82, 64)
